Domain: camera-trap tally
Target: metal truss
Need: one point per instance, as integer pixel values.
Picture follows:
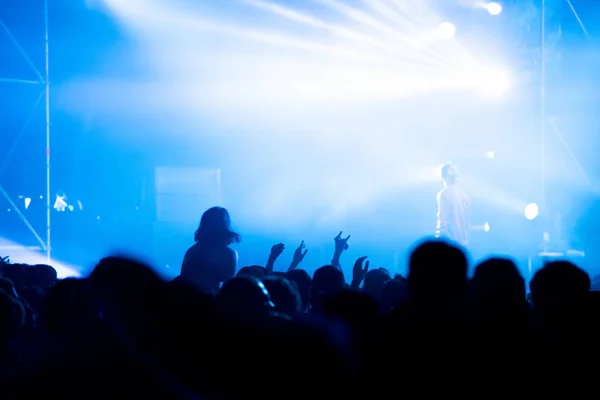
(550, 124)
(43, 80)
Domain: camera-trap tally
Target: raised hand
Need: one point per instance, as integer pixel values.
(358, 272)
(276, 251)
(299, 255)
(341, 244)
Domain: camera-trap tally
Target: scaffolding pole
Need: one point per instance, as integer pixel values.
(543, 111)
(48, 155)
(43, 79)
(548, 123)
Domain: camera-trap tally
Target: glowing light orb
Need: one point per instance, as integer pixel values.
(494, 8)
(531, 211)
(446, 30)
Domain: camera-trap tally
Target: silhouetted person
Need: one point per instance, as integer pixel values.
(374, 282)
(454, 208)
(437, 275)
(253, 271)
(70, 315)
(563, 339)
(210, 262)
(500, 315)
(284, 295)
(394, 294)
(42, 276)
(303, 282)
(9, 287)
(130, 297)
(12, 319)
(557, 290)
(498, 298)
(16, 273)
(244, 299)
(428, 334)
(326, 280)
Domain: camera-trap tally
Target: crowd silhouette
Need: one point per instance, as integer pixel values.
(212, 333)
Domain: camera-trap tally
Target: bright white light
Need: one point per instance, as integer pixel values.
(493, 83)
(60, 204)
(490, 155)
(531, 211)
(32, 256)
(494, 8)
(27, 202)
(446, 30)
(486, 227)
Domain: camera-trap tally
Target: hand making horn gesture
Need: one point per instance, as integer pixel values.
(341, 244)
(298, 257)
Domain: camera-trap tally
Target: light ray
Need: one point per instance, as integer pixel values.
(363, 18)
(337, 30)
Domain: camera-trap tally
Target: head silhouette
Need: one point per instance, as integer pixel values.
(449, 174)
(375, 281)
(498, 295)
(284, 295)
(303, 283)
(215, 228)
(326, 280)
(437, 273)
(497, 281)
(244, 299)
(128, 293)
(559, 287)
(253, 271)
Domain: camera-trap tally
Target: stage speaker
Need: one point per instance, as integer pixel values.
(183, 194)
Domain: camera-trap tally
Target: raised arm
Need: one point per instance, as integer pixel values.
(299, 255)
(341, 245)
(273, 256)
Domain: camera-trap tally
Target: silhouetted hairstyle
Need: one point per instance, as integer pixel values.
(449, 172)
(215, 228)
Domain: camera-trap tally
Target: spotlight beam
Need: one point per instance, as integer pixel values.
(169, 16)
(309, 20)
(367, 20)
(300, 17)
(346, 33)
(388, 12)
(277, 39)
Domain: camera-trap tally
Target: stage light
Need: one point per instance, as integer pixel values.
(446, 30)
(531, 211)
(493, 83)
(494, 8)
(490, 155)
(27, 202)
(60, 203)
(486, 227)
